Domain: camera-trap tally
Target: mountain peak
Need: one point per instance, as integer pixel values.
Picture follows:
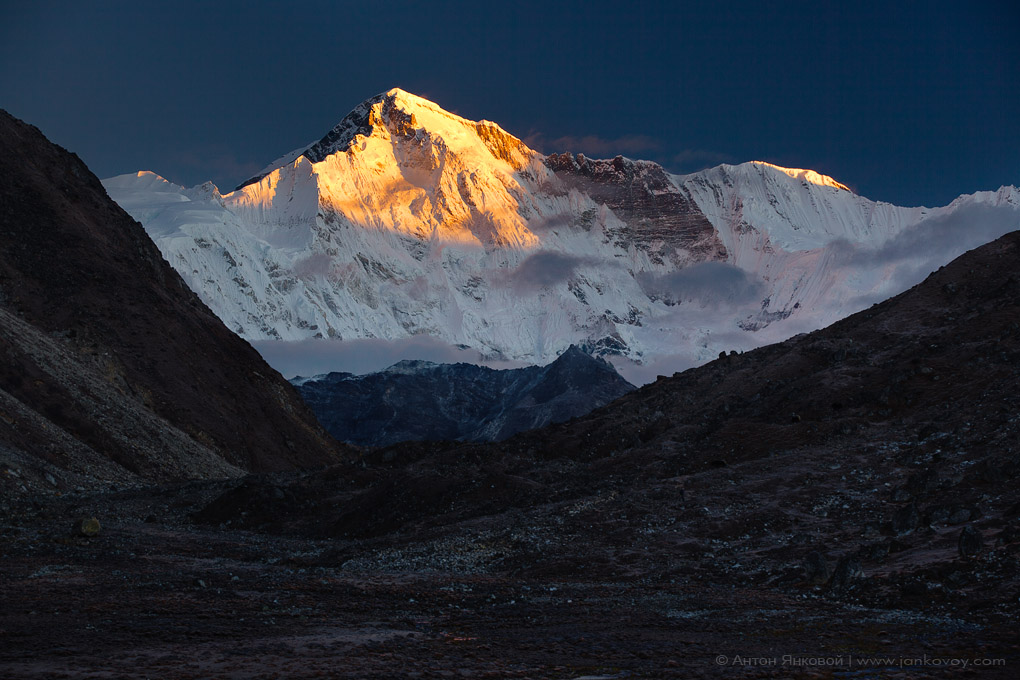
(574, 358)
(401, 114)
(763, 170)
(573, 352)
(805, 175)
(397, 110)
(407, 99)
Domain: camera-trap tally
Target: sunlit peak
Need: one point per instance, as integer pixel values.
(808, 176)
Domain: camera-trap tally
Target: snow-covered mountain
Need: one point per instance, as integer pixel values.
(407, 220)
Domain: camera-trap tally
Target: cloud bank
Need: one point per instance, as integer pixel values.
(707, 283)
(549, 268)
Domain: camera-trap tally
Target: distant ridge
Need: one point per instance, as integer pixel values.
(424, 401)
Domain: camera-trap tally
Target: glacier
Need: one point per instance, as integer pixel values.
(407, 221)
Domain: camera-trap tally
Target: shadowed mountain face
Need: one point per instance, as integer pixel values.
(424, 401)
(111, 367)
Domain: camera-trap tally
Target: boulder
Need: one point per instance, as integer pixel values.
(847, 570)
(906, 519)
(86, 526)
(971, 542)
(816, 568)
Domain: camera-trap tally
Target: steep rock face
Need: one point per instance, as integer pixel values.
(659, 216)
(408, 220)
(424, 401)
(113, 368)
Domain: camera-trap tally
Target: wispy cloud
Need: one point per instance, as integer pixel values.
(542, 225)
(707, 283)
(595, 146)
(692, 160)
(917, 251)
(548, 268)
(315, 265)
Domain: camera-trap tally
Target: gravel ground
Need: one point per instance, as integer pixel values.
(599, 586)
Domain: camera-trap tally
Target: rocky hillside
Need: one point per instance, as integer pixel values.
(424, 401)
(113, 370)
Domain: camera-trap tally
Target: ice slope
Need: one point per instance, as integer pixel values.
(408, 220)
(824, 251)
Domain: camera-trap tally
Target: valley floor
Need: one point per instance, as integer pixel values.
(155, 596)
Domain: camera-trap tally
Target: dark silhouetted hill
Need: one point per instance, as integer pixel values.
(110, 367)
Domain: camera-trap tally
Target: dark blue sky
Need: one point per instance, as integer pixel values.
(909, 102)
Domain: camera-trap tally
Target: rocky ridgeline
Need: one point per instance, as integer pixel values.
(424, 401)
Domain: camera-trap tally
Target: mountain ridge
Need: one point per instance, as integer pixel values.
(427, 401)
(415, 221)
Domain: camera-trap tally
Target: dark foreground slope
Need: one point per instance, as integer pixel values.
(424, 401)
(110, 367)
(843, 505)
